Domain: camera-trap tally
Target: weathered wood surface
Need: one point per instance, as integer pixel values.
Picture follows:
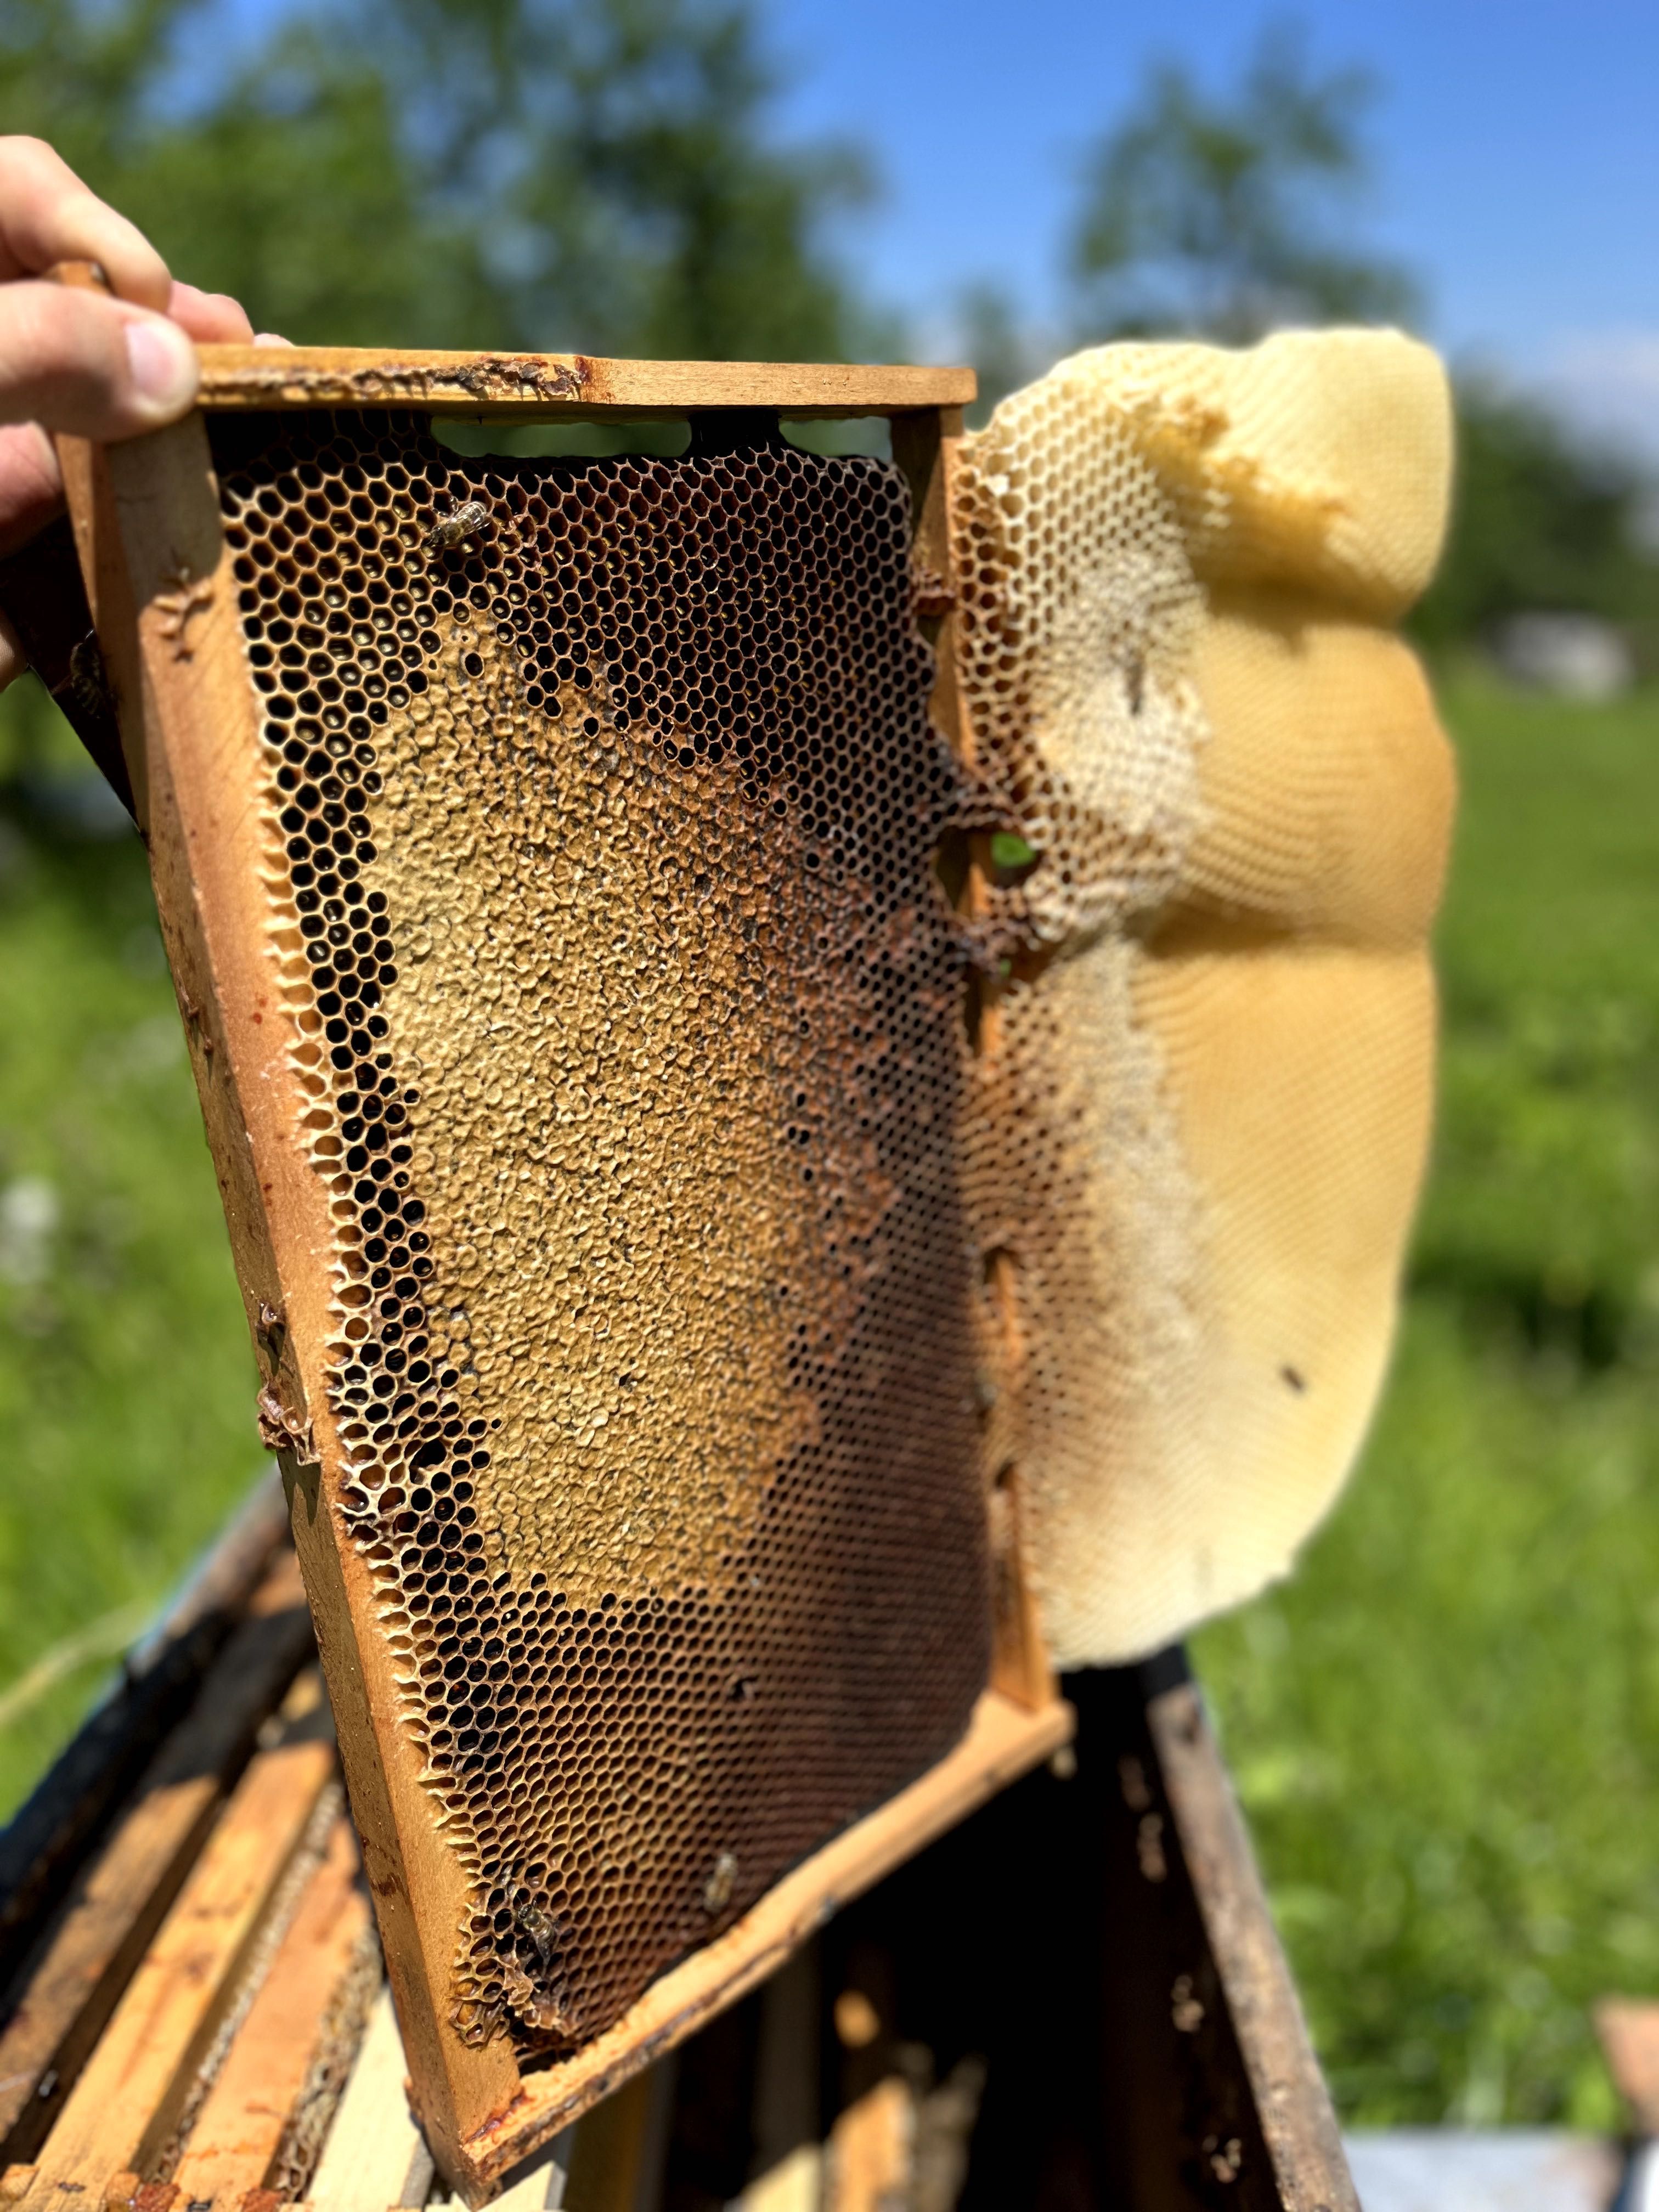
(75, 1981)
(1137, 2062)
(927, 448)
(42, 1849)
(1291, 2101)
(132, 2089)
(495, 383)
(375, 2154)
(241, 2124)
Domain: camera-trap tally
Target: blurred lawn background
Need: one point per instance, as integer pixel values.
(1444, 1727)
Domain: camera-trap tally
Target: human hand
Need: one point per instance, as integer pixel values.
(91, 364)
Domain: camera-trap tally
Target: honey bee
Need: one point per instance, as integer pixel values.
(717, 1890)
(450, 529)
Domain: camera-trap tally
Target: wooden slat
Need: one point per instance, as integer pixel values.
(132, 2088)
(869, 2161)
(75, 1983)
(41, 1846)
(1003, 1742)
(493, 384)
(241, 2125)
(927, 448)
(608, 2151)
(534, 2191)
(1291, 2101)
(788, 2164)
(374, 2157)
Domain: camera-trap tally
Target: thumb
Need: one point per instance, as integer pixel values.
(96, 368)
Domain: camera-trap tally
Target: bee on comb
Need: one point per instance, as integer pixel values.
(449, 529)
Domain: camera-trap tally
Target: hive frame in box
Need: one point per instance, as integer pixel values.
(157, 565)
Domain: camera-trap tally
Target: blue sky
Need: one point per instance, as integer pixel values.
(1516, 152)
(1516, 145)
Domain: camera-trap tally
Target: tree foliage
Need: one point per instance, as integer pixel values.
(1214, 215)
(1540, 520)
(591, 174)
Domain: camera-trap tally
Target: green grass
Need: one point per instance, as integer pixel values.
(126, 1383)
(1445, 1729)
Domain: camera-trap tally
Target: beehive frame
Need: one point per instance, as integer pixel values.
(159, 565)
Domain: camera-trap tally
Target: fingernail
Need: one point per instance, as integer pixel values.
(163, 364)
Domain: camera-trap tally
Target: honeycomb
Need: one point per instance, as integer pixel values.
(603, 809)
(1197, 1145)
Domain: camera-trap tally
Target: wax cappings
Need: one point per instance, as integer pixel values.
(1207, 1127)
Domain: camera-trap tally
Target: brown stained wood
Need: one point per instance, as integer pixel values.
(1291, 2101)
(131, 2088)
(495, 384)
(788, 2159)
(241, 2123)
(1002, 1742)
(608, 2152)
(926, 446)
(868, 2158)
(190, 733)
(1019, 1657)
(115, 1908)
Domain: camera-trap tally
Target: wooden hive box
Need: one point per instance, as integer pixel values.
(195, 2015)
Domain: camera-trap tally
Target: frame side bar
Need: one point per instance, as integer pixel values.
(169, 624)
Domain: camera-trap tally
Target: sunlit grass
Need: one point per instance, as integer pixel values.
(126, 1389)
(1446, 1728)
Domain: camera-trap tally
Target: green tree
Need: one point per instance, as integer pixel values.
(1000, 348)
(1213, 216)
(613, 162)
(1540, 520)
(592, 175)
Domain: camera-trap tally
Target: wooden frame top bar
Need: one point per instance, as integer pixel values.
(235, 377)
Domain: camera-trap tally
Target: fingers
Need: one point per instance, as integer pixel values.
(47, 215)
(13, 661)
(30, 485)
(212, 317)
(89, 366)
